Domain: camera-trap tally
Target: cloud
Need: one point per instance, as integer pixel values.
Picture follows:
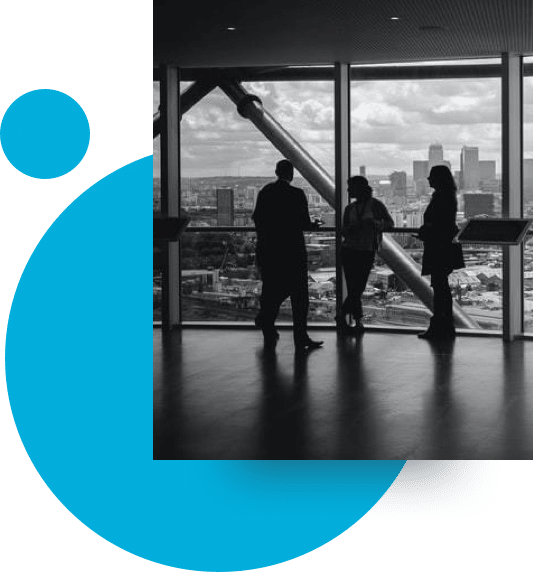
(392, 123)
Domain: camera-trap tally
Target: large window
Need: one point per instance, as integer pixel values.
(225, 161)
(528, 195)
(157, 208)
(157, 153)
(404, 119)
(400, 128)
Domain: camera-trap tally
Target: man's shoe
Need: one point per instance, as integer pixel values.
(308, 344)
(437, 335)
(427, 335)
(259, 324)
(439, 331)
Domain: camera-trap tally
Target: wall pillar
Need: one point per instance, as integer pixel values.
(342, 164)
(170, 191)
(512, 122)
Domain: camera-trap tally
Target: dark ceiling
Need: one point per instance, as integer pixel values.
(283, 32)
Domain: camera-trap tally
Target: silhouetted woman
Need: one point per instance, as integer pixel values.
(439, 259)
(363, 224)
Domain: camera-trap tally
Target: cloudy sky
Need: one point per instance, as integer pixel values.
(393, 123)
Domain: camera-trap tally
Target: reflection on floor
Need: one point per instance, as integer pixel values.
(219, 395)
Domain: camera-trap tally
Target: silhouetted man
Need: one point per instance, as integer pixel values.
(281, 215)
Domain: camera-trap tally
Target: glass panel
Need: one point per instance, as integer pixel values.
(157, 153)
(157, 208)
(219, 280)
(225, 162)
(528, 198)
(387, 301)
(400, 129)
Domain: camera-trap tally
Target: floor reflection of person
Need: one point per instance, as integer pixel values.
(281, 216)
(364, 222)
(441, 256)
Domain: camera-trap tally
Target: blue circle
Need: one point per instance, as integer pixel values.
(79, 373)
(44, 134)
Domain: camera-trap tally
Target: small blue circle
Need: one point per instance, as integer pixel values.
(45, 134)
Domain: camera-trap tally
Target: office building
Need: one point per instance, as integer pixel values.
(225, 206)
(435, 155)
(420, 177)
(487, 170)
(470, 173)
(476, 204)
(398, 181)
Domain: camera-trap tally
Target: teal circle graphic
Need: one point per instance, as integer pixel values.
(79, 375)
(44, 134)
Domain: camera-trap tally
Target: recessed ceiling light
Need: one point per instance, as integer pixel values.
(231, 29)
(394, 18)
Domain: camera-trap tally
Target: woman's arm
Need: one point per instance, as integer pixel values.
(383, 221)
(349, 228)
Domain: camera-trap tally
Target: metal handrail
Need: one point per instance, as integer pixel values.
(395, 230)
(398, 230)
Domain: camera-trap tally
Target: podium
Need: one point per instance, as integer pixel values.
(169, 229)
(497, 231)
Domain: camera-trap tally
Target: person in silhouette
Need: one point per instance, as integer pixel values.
(441, 255)
(362, 229)
(281, 216)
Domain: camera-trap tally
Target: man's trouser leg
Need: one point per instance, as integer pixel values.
(272, 295)
(299, 294)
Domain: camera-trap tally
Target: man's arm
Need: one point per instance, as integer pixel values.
(258, 215)
(305, 219)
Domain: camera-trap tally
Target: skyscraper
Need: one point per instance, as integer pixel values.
(420, 170)
(362, 171)
(398, 180)
(435, 155)
(470, 174)
(420, 176)
(487, 170)
(225, 207)
(478, 204)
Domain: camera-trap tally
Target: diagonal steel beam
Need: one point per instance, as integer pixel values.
(250, 107)
(157, 123)
(189, 98)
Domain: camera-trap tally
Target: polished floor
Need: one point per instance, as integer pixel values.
(219, 395)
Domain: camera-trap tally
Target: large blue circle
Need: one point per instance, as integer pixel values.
(44, 134)
(79, 373)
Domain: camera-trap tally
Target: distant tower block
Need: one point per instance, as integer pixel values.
(225, 207)
(470, 173)
(478, 204)
(362, 171)
(435, 155)
(398, 180)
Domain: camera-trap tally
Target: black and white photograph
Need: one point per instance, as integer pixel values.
(343, 239)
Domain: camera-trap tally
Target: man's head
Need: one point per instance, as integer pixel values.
(284, 170)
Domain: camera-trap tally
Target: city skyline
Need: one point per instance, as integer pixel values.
(393, 123)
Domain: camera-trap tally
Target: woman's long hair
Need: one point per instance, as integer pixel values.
(364, 187)
(444, 177)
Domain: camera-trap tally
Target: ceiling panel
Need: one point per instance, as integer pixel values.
(277, 32)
